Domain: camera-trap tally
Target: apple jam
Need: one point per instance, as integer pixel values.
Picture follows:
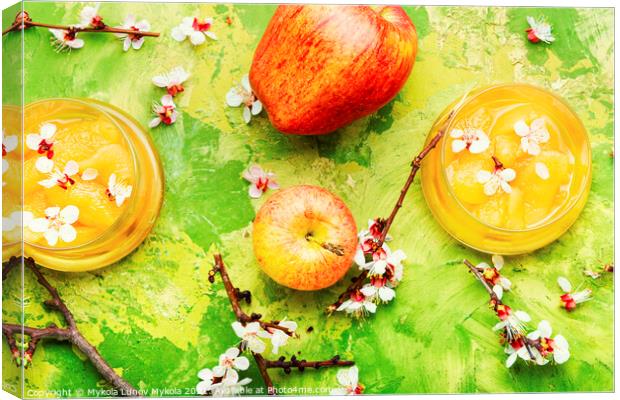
(92, 184)
(512, 171)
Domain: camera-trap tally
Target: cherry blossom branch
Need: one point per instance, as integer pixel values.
(235, 295)
(71, 333)
(386, 224)
(23, 21)
(496, 302)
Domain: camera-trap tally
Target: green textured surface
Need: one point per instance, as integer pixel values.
(157, 320)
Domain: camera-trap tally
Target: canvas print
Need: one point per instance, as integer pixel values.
(209, 199)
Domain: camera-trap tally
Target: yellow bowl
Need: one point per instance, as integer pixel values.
(458, 218)
(139, 213)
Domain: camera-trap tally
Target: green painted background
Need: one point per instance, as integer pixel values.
(157, 320)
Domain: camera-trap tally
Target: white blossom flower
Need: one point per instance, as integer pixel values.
(194, 28)
(166, 112)
(571, 300)
(378, 290)
(259, 180)
(231, 385)
(9, 143)
(64, 178)
(208, 383)
(496, 180)
(349, 380)
(43, 143)
(558, 345)
(90, 18)
(513, 324)
(172, 80)
(493, 277)
(473, 139)
(65, 39)
(118, 190)
(539, 30)
(219, 386)
(251, 335)
(242, 94)
(278, 337)
(135, 40)
(358, 305)
(384, 261)
(231, 360)
(525, 352)
(541, 170)
(57, 224)
(532, 136)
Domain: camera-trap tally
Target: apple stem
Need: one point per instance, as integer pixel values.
(262, 363)
(71, 333)
(23, 21)
(496, 302)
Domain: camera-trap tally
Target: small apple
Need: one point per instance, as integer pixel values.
(320, 67)
(304, 238)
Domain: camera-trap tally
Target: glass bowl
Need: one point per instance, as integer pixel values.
(141, 208)
(531, 215)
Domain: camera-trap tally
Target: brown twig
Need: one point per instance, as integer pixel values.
(234, 296)
(71, 333)
(24, 22)
(358, 281)
(303, 364)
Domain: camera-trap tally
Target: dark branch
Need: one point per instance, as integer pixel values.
(71, 333)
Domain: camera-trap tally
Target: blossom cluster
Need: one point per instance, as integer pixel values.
(242, 95)
(67, 39)
(223, 379)
(385, 271)
(570, 299)
(476, 141)
(166, 110)
(535, 346)
(57, 223)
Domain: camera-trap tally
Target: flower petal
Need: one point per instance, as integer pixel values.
(71, 168)
(44, 165)
(247, 114)
(257, 107)
(458, 145)
(51, 235)
(255, 192)
(48, 130)
(197, 38)
(69, 214)
(33, 140)
(241, 363)
(544, 327)
(523, 316)
(67, 233)
(178, 34)
(38, 225)
(498, 261)
(456, 133)
(564, 284)
(521, 128)
(234, 98)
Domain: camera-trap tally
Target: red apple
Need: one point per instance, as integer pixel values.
(320, 67)
(304, 238)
